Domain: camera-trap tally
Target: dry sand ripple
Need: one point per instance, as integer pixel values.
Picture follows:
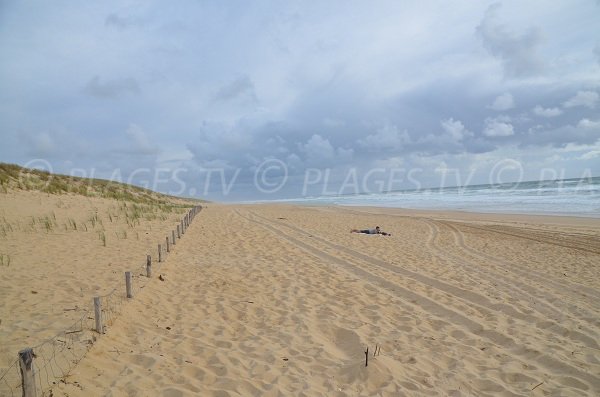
(282, 300)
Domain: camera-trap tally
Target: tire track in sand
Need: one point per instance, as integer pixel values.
(572, 286)
(539, 278)
(543, 294)
(558, 367)
(472, 298)
(516, 286)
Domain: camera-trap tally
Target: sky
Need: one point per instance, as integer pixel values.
(238, 100)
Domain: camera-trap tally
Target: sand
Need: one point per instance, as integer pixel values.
(59, 251)
(270, 300)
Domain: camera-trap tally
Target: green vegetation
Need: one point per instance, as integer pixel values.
(16, 177)
(48, 223)
(131, 205)
(102, 237)
(4, 260)
(5, 227)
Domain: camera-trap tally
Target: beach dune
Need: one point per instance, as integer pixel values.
(273, 300)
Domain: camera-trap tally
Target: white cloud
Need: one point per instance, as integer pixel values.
(319, 151)
(546, 112)
(503, 102)
(588, 124)
(587, 99)
(495, 127)
(590, 155)
(455, 129)
(387, 138)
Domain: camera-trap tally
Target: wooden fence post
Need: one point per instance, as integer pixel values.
(98, 315)
(182, 231)
(178, 234)
(128, 284)
(27, 374)
(168, 249)
(173, 232)
(159, 253)
(148, 266)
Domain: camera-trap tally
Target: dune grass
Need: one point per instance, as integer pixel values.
(13, 176)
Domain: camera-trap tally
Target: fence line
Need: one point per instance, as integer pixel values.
(54, 358)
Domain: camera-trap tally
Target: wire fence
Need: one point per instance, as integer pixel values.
(55, 358)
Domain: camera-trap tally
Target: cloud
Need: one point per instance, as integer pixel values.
(546, 112)
(387, 138)
(320, 152)
(111, 88)
(596, 52)
(119, 22)
(590, 155)
(518, 53)
(299, 82)
(242, 87)
(228, 144)
(497, 127)
(503, 102)
(40, 144)
(585, 132)
(141, 143)
(455, 129)
(589, 124)
(588, 99)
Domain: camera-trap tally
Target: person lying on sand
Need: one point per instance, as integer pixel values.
(370, 231)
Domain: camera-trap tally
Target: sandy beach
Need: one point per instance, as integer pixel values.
(274, 300)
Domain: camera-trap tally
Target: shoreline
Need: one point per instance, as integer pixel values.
(592, 218)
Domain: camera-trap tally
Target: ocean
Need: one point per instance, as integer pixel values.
(575, 197)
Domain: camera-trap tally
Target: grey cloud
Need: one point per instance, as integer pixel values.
(597, 51)
(242, 87)
(386, 139)
(111, 88)
(517, 52)
(384, 91)
(119, 22)
(40, 144)
(479, 145)
(584, 132)
(140, 141)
